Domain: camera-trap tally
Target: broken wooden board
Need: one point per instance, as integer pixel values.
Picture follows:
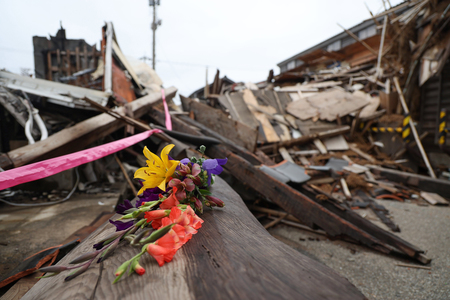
(302, 109)
(335, 143)
(433, 198)
(238, 110)
(231, 257)
(82, 134)
(335, 102)
(269, 133)
(218, 121)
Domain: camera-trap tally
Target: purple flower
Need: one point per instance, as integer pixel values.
(185, 161)
(149, 195)
(213, 166)
(121, 225)
(126, 205)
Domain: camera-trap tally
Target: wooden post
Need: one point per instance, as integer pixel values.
(49, 65)
(85, 63)
(380, 51)
(413, 128)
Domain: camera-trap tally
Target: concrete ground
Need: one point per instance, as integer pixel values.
(27, 230)
(375, 274)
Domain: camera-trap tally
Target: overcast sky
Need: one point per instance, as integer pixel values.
(243, 39)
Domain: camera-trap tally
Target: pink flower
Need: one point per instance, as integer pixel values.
(161, 254)
(182, 186)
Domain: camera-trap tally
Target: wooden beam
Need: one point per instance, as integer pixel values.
(231, 241)
(425, 183)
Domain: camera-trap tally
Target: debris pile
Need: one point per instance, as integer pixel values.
(338, 127)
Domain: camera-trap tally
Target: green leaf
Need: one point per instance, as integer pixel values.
(130, 210)
(205, 192)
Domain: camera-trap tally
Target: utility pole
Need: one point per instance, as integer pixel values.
(155, 25)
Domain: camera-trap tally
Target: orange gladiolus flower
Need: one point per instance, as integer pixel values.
(156, 214)
(161, 254)
(170, 201)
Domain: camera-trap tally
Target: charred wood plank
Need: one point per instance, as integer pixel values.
(367, 226)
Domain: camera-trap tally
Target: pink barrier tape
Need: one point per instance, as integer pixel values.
(166, 110)
(55, 165)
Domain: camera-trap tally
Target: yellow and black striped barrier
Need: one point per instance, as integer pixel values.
(406, 130)
(442, 126)
(386, 129)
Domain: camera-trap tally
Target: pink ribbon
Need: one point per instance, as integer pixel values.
(166, 110)
(55, 165)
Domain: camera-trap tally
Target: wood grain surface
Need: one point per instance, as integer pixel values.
(231, 257)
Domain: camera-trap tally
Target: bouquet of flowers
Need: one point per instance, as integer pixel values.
(163, 218)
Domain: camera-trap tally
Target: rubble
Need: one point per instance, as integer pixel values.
(347, 124)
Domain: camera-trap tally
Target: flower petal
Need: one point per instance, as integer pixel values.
(165, 154)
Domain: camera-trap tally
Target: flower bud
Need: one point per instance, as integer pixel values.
(53, 269)
(198, 204)
(84, 257)
(78, 272)
(215, 200)
(136, 267)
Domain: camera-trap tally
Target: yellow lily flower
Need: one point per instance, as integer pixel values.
(158, 170)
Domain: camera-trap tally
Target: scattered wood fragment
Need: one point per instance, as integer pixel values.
(275, 222)
(412, 266)
(433, 198)
(355, 149)
(304, 139)
(130, 183)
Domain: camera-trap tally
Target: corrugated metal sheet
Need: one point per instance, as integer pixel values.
(435, 95)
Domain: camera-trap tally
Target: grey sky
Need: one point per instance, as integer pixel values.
(244, 39)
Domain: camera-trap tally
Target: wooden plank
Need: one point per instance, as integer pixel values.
(238, 109)
(285, 154)
(216, 263)
(306, 139)
(424, 183)
(433, 198)
(269, 132)
(84, 133)
(413, 129)
(216, 120)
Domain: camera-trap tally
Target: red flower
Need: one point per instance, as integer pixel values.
(161, 254)
(156, 214)
(170, 201)
(139, 269)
